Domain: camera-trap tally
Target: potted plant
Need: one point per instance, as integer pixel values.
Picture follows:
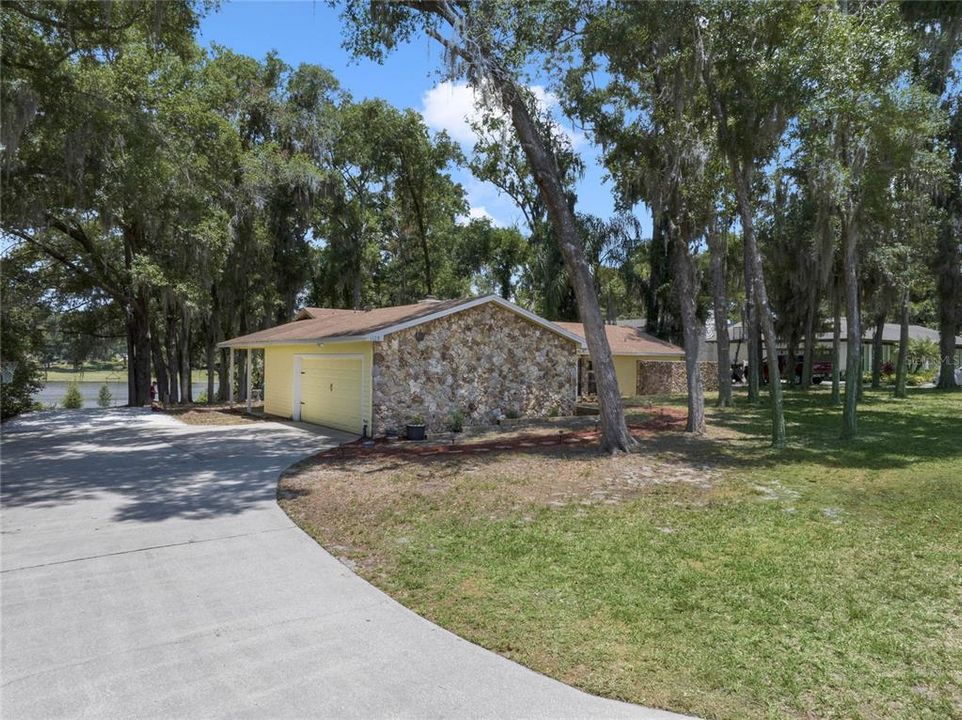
(416, 429)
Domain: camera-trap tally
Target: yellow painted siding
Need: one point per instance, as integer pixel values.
(626, 369)
(279, 374)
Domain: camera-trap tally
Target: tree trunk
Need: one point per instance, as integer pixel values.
(614, 431)
(791, 353)
(209, 357)
(240, 378)
(718, 248)
(901, 364)
(131, 333)
(356, 286)
(425, 249)
(756, 275)
(160, 369)
(544, 167)
(750, 332)
(853, 364)
(949, 287)
(210, 341)
(130, 326)
(183, 351)
(836, 346)
(223, 375)
(877, 351)
(141, 360)
(170, 350)
(657, 276)
(692, 331)
(808, 349)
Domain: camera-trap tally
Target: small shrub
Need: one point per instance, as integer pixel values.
(922, 354)
(73, 399)
(512, 414)
(20, 381)
(202, 398)
(555, 411)
(104, 397)
(416, 420)
(456, 422)
(916, 379)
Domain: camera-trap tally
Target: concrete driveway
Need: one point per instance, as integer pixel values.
(147, 571)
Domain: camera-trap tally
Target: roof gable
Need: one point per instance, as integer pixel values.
(331, 325)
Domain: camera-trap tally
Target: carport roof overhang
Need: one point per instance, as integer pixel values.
(242, 344)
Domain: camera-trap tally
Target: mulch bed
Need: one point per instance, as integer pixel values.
(665, 419)
(219, 414)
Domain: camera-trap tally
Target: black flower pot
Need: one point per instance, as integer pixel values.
(416, 432)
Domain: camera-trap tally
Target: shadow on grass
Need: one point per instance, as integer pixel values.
(891, 433)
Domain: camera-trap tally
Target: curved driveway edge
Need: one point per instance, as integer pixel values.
(148, 571)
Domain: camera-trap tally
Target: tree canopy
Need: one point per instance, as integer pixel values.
(800, 161)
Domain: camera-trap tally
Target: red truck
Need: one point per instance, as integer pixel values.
(821, 369)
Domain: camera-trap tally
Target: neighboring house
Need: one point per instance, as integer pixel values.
(637, 323)
(644, 364)
(890, 341)
(376, 370)
(891, 332)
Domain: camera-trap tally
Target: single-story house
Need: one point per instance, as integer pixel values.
(374, 371)
(891, 332)
(644, 364)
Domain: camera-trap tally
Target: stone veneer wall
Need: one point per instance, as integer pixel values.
(668, 378)
(486, 362)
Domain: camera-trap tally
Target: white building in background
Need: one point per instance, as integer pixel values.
(823, 349)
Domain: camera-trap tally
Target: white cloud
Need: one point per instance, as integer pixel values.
(479, 212)
(453, 106)
(449, 106)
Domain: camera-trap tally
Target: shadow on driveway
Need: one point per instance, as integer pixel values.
(162, 469)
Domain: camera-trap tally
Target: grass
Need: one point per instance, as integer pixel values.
(100, 373)
(819, 581)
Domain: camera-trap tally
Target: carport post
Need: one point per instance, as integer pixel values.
(250, 361)
(230, 379)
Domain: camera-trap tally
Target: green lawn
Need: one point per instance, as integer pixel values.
(822, 581)
(101, 372)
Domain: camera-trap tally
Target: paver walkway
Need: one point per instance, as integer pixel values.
(147, 571)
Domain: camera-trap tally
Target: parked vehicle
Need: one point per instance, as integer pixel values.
(958, 376)
(821, 369)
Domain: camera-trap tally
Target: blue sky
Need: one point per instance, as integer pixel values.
(309, 32)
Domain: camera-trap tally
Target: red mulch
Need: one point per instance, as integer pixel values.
(662, 420)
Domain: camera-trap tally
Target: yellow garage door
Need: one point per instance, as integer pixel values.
(331, 392)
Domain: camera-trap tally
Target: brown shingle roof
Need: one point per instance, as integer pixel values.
(317, 324)
(327, 323)
(628, 340)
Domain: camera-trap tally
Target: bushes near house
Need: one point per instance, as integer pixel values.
(73, 399)
(105, 398)
(456, 421)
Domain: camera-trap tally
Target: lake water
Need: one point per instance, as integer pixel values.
(53, 392)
